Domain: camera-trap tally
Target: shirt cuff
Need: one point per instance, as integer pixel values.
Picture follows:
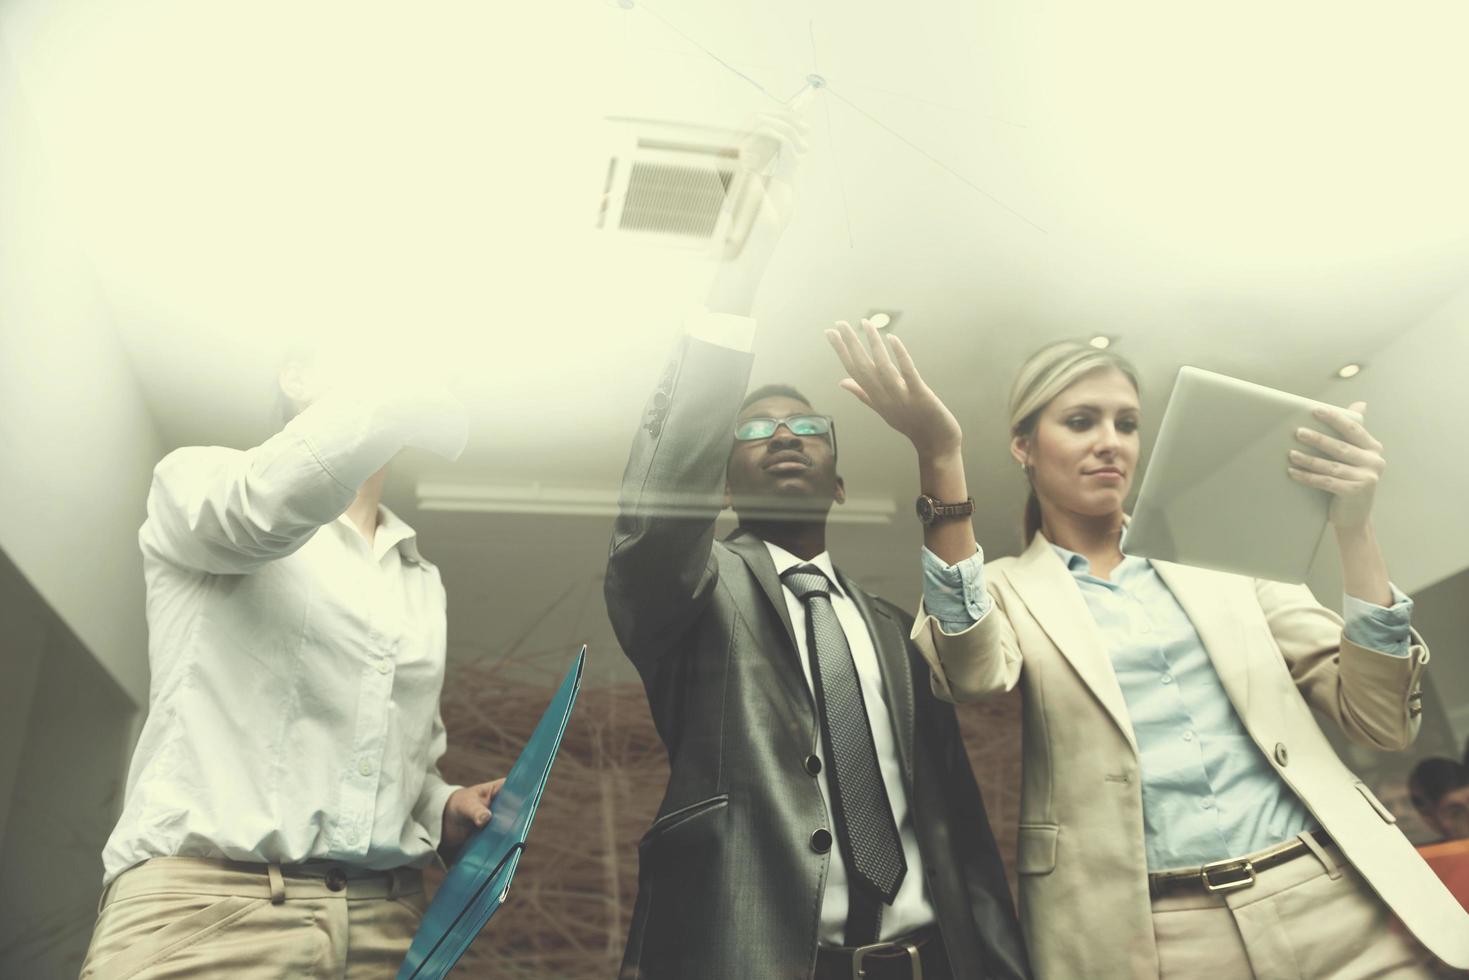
(354, 432)
(429, 811)
(955, 594)
(723, 329)
(1384, 629)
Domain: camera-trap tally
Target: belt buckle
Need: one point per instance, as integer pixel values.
(1233, 864)
(915, 962)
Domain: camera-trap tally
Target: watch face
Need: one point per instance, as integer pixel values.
(925, 509)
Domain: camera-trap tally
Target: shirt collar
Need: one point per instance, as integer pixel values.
(1077, 563)
(1074, 562)
(784, 560)
(392, 532)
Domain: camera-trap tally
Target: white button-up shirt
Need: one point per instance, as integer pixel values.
(911, 909)
(296, 669)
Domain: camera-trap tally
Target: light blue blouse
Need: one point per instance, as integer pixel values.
(1208, 792)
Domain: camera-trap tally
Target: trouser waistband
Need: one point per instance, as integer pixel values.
(277, 882)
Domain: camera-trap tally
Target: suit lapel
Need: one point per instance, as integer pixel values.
(1205, 598)
(757, 558)
(1056, 602)
(892, 660)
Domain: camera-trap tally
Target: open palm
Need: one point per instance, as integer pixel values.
(882, 375)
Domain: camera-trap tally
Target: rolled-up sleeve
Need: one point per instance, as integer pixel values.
(1383, 629)
(955, 594)
(227, 512)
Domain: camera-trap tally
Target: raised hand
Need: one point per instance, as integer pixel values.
(770, 153)
(883, 376)
(771, 150)
(1351, 470)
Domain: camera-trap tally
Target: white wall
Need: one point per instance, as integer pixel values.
(1415, 406)
(68, 783)
(21, 644)
(1442, 613)
(77, 442)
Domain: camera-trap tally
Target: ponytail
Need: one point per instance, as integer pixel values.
(1032, 517)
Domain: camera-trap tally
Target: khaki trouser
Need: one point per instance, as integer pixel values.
(1312, 918)
(197, 917)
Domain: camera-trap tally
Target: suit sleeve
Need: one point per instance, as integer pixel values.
(974, 664)
(227, 512)
(1374, 698)
(661, 570)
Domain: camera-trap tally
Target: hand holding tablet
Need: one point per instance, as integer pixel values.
(1216, 495)
(1348, 466)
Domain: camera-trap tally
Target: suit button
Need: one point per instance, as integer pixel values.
(821, 840)
(336, 879)
(1282, 757)
(813, 764)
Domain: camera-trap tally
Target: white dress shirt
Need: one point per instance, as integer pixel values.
(296, 669)
(912, 908)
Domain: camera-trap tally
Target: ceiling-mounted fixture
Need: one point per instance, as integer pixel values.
(679, 185)
(1101, 341)
(487, 498)
(1349, 370)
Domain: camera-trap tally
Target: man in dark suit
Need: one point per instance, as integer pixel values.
(821, 818)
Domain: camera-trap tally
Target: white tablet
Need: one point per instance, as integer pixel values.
(1216, 493)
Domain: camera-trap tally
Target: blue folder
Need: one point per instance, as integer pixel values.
(478, 882)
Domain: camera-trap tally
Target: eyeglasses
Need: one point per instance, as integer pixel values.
(798, 425)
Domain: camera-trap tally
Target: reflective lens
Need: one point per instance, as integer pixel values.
(809, 425)
(800, 425)
(755, 429)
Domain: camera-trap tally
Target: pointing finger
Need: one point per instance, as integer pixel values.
(839, 345)
(905, 362)
(880, 355)
(862, 366)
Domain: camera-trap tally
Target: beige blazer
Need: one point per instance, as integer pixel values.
(1082, 865)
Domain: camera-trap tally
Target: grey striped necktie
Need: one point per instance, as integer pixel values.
(866, 831)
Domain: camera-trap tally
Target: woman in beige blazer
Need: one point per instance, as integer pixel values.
(1167, 709)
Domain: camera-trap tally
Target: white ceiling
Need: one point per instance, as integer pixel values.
(1267, 190)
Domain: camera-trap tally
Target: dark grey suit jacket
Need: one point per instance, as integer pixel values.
(729, 884)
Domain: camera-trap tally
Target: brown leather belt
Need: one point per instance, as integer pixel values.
(916, 956)
(1227, 875)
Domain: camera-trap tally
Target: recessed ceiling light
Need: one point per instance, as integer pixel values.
(1348, 370)
(880, 320)
(1101, 341)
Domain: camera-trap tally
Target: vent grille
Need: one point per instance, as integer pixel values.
(674, 199)
(677, 185)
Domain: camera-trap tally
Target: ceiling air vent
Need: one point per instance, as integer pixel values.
(677, 185)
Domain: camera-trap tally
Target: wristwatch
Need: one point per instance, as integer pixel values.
(931, 510)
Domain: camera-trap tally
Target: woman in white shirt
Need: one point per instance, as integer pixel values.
(284, 792)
